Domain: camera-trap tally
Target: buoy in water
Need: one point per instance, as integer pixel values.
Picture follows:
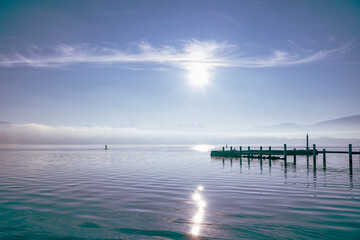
(106, 147)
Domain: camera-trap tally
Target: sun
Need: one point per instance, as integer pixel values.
(198, 75)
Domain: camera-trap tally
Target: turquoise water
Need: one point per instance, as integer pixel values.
(147, 192)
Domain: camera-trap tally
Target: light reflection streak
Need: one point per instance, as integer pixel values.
(202, 148)
(199, 215)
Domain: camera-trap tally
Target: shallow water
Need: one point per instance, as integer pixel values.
(146, 192)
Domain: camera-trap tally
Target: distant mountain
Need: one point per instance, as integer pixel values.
(189, 127)
(352, 120)
(2, 122)
(281, 127)
(351, 123)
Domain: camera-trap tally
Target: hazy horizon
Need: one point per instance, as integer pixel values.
(338, 133)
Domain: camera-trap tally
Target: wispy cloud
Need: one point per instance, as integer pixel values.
(226, 18)
(210, 53)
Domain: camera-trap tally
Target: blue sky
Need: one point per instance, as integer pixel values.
(220, 64)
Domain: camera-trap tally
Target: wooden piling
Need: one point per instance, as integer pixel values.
(223, 149)
(248, 150)
(350, 156)
(269, 152)
(294, 156)
(260, 152)
(314, 155)
(269, 156)
(240, 151)
(285, 160)
(307, 142)
(324, 158)
(230, 148)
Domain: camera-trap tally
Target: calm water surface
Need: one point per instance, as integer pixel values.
(150, 192)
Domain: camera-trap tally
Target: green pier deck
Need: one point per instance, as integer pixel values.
(263, 153)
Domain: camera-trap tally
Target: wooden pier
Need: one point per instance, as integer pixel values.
(272, 154)
(257, 153)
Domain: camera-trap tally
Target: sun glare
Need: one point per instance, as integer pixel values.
(198, 75)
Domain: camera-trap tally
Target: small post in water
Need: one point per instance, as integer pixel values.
(350, 156)
(223, 149)
(240, 151)
(314, 155)
(260, 152)
(324, 158)
(294, 156)
(270, 156)
(269, 152)
(307, 142)
(285, 162)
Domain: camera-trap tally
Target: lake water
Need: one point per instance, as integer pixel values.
(149, 192)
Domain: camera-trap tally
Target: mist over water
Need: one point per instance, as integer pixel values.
(333, 135)
(173, 192)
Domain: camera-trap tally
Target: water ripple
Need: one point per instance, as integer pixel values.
(144, 192)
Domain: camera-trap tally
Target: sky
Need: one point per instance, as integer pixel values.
(184, 65)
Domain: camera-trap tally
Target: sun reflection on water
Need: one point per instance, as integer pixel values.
(199, 215)
(202, 148)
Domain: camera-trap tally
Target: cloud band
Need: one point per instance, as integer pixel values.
(209, 53)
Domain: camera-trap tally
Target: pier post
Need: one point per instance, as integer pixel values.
(230, 148)
(285, 160)
(248, 150)
(324, 158)
(261, 158)
(269, 156)
(269, 152)
(240, 151)
(307, 142)
(314, 155)
(294, 156)
(350, 156)
(223, 149)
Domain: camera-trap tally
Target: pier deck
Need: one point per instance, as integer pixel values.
(244, 153)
